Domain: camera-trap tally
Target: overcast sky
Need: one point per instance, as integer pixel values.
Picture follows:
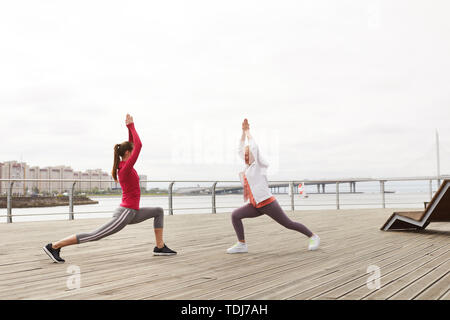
(331, 88)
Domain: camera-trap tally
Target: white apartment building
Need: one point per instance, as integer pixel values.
(61, 173)
(55, 173)
(44, 186)
(143, 185)
(94, 179)
(97, 180)
(94, 176)
(67, 174)
(1, 175)
(107, 185)
(77, 176)
(85, 186)
(14, 170)
(33, 173)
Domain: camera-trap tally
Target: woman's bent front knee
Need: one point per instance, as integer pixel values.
(235, 215)
(158, 222)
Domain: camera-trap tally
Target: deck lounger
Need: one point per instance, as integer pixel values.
(437, 210)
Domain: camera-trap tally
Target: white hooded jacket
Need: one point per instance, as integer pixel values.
(256, 173)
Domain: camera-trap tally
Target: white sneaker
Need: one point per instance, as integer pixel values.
(314, 242)
(239, 247)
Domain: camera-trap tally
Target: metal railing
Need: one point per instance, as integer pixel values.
(290, 184)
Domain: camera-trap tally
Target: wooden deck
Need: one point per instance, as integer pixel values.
(413, 265)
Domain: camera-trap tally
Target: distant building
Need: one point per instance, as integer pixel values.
(85, 185)
(14, 170)
(61, 173)
(1, 175)
(98, 180)
(107, 185)
(67, 174)
(97, 176)
(93, 179)
(94, 175)
(143, 185)
(55, 173)
(33, 173)
(77, 176)
(44, 186)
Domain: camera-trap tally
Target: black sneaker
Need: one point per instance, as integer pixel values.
(164, 251)
(53, 253)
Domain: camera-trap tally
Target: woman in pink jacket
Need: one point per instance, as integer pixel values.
(129, 212)
(261, 200)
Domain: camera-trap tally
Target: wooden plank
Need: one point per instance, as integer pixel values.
(352, 274)
(437, 290)
(312, 270)
(122, 267)
(446, 296)
(425, 277)
(312, 285)
(389, 275)
(238, 293)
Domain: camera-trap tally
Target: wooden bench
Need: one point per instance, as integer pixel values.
(437, 210)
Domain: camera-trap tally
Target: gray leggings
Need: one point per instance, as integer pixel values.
(122, 217)
(273, 210)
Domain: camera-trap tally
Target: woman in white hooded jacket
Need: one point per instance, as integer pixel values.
(257, 192)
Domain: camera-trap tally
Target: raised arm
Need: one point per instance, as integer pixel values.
(254, 149)
(245, 127)
(129, 120)
(134, 137)
(241, 146)
(130, 135)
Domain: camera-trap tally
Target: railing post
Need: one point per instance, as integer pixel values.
(71, 192)
(383, 195)
(9, 203)
(431, 190)
(291, 186)
(171, 197)
(213, 192)
(337, 196)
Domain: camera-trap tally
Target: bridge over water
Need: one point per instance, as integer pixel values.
(281, 187)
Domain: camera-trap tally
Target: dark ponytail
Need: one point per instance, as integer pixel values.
(119, 151)
(116, 162)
